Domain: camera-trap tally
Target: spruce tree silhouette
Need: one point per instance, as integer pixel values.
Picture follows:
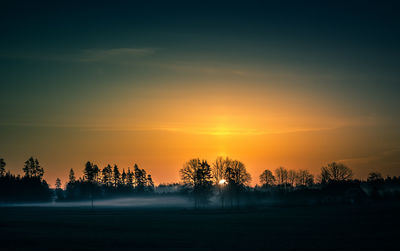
(2, 167)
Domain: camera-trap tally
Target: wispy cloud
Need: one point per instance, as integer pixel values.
(392, 155)
(212, 131)
(85, 55)
(386, 162)
(230, 129)
(203, 68)
(91, 55)
(238, 131)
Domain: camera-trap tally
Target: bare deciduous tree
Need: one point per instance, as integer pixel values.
(267, 178)
(197, 176)
(291, 177)
(236, 174)
(281, 175)
(335, 172)
(304, 178)
(219, 167)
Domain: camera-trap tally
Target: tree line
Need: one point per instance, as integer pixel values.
(106, 182)
(225, 181)
(29, 187)
(333, 172)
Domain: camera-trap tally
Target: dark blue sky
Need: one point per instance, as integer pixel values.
(340, 39)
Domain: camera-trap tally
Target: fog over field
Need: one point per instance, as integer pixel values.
(125, 202)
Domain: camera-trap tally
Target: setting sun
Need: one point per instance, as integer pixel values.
(222, 182)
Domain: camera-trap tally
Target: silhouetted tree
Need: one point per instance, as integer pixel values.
(219, 172)
(236, 174)
(197, 176)
(203, 183)
(237, 179)
(376, 186)
(281, 175)
(123, 177)
(324, 177)
(58, 183)
(188, 172)
(304, 178)
(90, 172)
(140, 178)
(107, 175)
(219, 167)
(96, 174)
(291, 177)
(72, 178)
(150, 183)
(116, 176)
(374, 177)
(336, 172)
(59, 191)
(32, 169)
(267, 178)
(129, 178)
(31, 187)
(2, 169)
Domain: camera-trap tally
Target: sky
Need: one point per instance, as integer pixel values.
(293, 84)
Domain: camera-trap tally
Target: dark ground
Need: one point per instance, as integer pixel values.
(278, 228)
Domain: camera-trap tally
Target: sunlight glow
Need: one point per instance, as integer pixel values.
(222, 182)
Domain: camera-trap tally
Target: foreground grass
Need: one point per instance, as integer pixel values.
(283, 228)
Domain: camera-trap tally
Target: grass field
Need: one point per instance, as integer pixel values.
(277, 228)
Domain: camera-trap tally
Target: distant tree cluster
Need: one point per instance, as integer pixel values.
(109, 181)
(2, 167)
(286, 178)
(333, 172)
(30, 187)
(334, 184)
(230, 176)
(32, 169)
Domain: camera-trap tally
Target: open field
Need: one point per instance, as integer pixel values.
(284, 228)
